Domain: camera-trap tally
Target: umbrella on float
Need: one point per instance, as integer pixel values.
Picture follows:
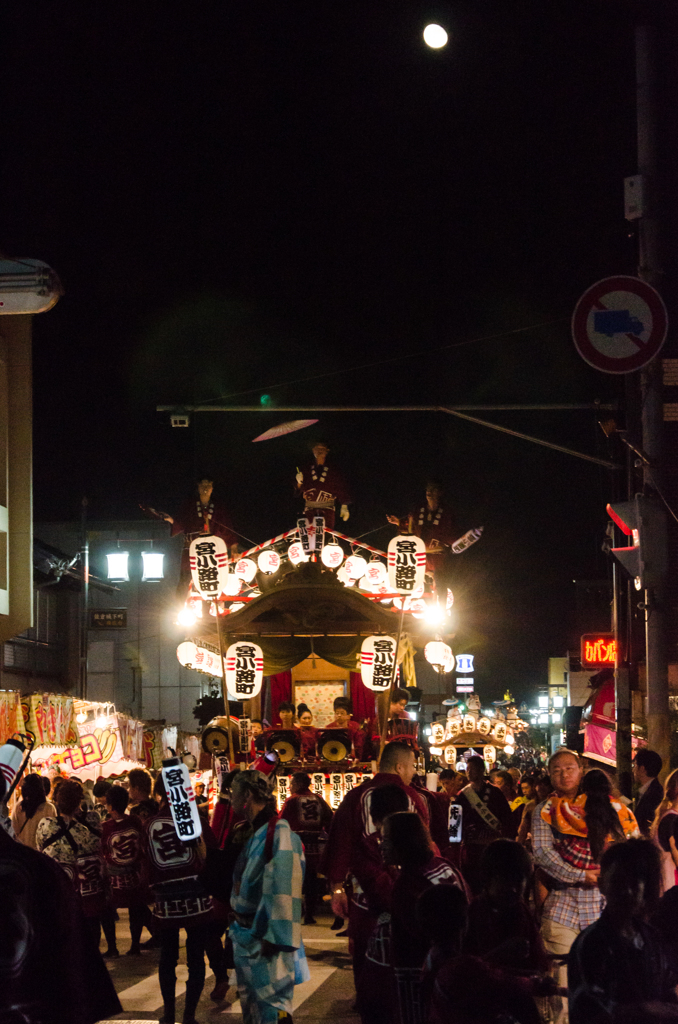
(283, 428)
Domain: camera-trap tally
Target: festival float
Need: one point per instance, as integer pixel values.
(471, 731)
(310, 595)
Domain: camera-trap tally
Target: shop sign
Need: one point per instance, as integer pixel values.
(598, 649)
(108, 618)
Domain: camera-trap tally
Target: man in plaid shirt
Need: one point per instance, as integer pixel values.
(574, 901)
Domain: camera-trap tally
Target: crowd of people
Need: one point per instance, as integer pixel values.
(556, 905)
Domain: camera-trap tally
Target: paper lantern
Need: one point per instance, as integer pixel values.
(208, 558)
(489, 753)
(406, 564)
(377, 658)
(246, 569)
(499, 732)
(355, 567)
(186, 653)
(418, 607)
(343, 577)
(244, 669)
(233, 585)
(332, 556)
(439, 655)
(199, 658)
(469, 723)
(181, 799)
(376, 574)
(296, 553)
(450, 755)
(484, 726)
(437, 733)
(269, 562)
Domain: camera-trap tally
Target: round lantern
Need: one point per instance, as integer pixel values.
(343, 577)
(233, 585)
(269, 562)
(245, 569)
(450, 755)
(186, 653)
(355, 567)
(375, 573)
(437, 733)
(439, 655)
(332, 556)
(484, 726)
(296, 553)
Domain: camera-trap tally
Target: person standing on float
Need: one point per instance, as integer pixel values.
(433, 523)
(202, 513)
(322, 487)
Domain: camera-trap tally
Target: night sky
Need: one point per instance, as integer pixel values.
(242, 196)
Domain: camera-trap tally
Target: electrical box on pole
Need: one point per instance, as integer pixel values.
(642, 520)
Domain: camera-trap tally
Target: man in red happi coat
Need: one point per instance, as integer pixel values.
(201, 514)
(322, 487)
(433, 523)
(342, 720)
(353, 848)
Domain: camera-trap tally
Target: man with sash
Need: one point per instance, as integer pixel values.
(322, 487)
(486, 816)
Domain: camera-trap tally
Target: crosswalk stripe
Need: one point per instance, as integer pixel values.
(145, 995)
(301, 992)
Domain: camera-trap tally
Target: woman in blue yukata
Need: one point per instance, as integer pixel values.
(268, 950)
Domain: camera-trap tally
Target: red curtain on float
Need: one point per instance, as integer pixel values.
(361, 698)
(281, 692)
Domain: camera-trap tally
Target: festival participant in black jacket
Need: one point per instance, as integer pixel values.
(486, 816)
(647, 764)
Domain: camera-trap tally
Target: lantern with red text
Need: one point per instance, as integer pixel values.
(332, 556)
(244, 669)
(296, 553)
(208, 559)
(406, 564)
(377, 660)
(375, 573)
(355, 566)
(246, 569)
(269, 562)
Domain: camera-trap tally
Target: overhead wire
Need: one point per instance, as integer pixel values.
(390, 359)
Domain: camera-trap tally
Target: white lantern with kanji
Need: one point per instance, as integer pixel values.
(246, 569)
(343, 576)
(208, 559)
(233, 585)
(377, 660)
(332, 556)
(439, 655)
(296, 553)
(376, 574)
(355, 567)
(269, 562)
(244, 669)
(406, 564)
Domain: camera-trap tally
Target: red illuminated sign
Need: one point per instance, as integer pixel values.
(598, 649)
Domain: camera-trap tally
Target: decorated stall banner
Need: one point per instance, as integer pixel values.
(244, 726)
(50, 719)
(11, 714)
(454, 823)
(209, 565)
(406, 563)
(377, 658)
(181, 799)
(283, 790)
(244, 669)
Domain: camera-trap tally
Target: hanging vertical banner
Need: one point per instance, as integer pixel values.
(319, 527)
(406, 563)
(208, 557)
(336, 789)
(181, 799)
(318, 783)
(245, 738)
(283, 790)
(306, 536)
(377, 656)
(244, 669)
(454, 823)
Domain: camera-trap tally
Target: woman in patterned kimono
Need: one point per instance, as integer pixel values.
(267, 946)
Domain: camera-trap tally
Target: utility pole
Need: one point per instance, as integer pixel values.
(649, 270)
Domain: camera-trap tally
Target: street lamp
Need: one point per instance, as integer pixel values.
(435, 36)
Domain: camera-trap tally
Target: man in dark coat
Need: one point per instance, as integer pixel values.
(647, 765)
